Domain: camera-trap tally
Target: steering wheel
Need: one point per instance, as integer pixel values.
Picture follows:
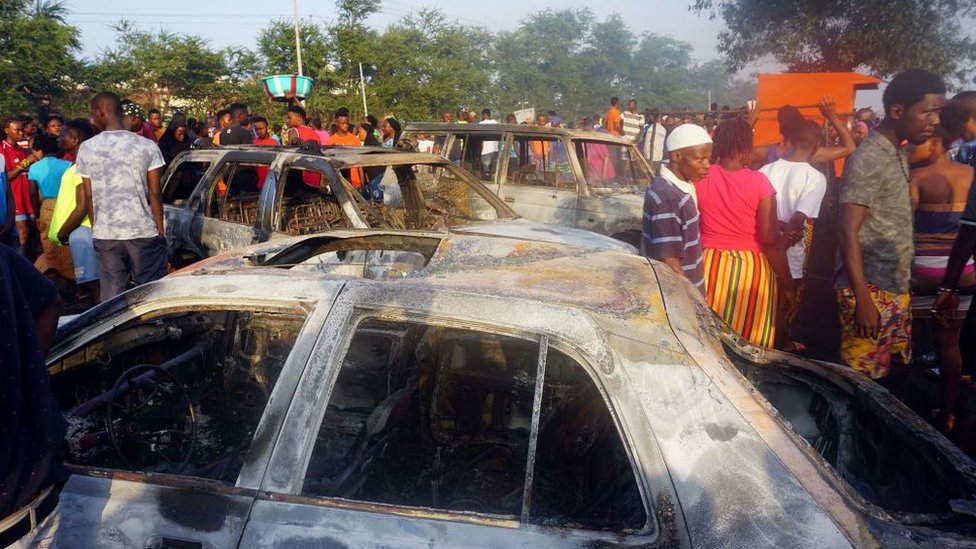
(151, 419)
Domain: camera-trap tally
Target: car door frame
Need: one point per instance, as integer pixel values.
(552, 200)
(327, 518)
(194, 511)
(228, 235)
(272, 195)
(180, 219)
(618, 216)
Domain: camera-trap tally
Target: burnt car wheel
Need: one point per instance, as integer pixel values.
(151, 420)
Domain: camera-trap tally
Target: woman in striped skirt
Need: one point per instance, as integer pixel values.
(746, 272)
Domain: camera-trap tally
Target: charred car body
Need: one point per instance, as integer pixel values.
(221, 199)
(474, 391)
(583, 179)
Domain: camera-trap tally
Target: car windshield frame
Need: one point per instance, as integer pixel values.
(579, 143)
(502, 211)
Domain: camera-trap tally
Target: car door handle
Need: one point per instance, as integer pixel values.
(553, 196)
(509, 199)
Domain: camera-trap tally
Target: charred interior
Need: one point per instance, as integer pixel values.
(885, 462)
(176, 394)
(442, 418)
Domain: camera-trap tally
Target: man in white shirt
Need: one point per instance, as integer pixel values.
(489, 149)
(120, 172)
(654, 136)
(800, 189)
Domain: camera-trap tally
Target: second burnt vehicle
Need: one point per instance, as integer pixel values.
(225, 198)
(583, 179)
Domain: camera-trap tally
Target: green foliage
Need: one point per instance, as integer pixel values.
(429, 65)
(882, 36)
(38, 48)
(570, 62)
(162, 66)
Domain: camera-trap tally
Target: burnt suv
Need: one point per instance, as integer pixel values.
(583, 179)
(221, 199)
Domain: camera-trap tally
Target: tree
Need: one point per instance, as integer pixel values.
(882, 36)
(430, 64)
(166, 69)
(38, 47)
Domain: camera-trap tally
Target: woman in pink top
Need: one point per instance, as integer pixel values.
(745, 261)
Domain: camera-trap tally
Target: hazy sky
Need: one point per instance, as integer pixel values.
(237, 22)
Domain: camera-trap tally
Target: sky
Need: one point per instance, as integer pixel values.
(237, 22)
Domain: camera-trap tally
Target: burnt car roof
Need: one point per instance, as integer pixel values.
(604, 281)
(520, 128)
(338, 156)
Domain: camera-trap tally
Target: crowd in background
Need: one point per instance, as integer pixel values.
(738, 221)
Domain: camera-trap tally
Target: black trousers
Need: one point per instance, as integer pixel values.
(142, 259)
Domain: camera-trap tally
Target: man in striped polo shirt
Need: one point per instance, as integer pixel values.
(670, 226)
(632, 122)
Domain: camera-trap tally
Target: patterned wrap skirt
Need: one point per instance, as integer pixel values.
(741, 288)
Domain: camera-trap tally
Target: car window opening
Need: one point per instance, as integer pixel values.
(183, 181)
(437, 417)
(878, 461)
(611, 168)
(178, 394)
(541, 162)
(234, 197)
(307, 206)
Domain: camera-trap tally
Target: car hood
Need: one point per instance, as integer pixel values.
(531, 230)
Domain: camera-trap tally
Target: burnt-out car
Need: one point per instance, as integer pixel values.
(474, 391)
(575, 178)
(225, 198)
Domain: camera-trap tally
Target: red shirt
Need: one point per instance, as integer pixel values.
(728, 204)
(263, 170)
(147, 131)
(12, 155)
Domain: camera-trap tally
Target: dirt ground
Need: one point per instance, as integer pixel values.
(818, 327)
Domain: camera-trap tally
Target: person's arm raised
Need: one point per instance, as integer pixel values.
(828, 108)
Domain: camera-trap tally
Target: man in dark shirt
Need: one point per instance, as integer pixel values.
(238, 133)
(31, 426)
(670, 226)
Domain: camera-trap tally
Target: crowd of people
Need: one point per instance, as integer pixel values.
(57, 177)
(82, 198)
(737, 220)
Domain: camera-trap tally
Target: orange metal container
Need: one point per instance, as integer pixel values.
(804, 90)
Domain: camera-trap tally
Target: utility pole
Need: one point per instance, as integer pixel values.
(362, 88)
(298, 42)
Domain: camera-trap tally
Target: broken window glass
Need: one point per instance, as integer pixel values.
(181, 393)
(583, 476)
(428, 416)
